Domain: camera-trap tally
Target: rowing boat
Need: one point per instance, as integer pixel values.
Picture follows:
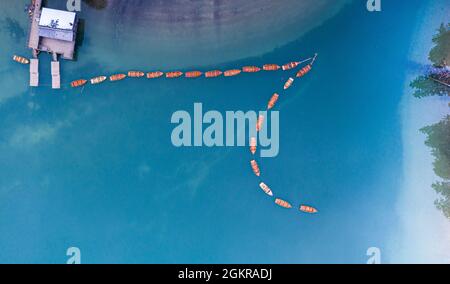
(98, 80)
(255, 168)
(290, 65)
(308, 209)
(260, 123)
(305, 70)
(253, 145)
(117, 77)
(282, 203)
(136, 74)
(20, 59)
(174, 74)
(231, 73)
(213, 74)
(155, 74)
(193, 74)
(273, 101)
(266, 189)
(271, 67)
(78, 83)
(251, 69)
(288, 83)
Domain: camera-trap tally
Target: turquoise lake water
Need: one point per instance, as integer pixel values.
(97, 170)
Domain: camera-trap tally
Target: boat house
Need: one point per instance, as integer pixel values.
(53, 31)
(58, 25)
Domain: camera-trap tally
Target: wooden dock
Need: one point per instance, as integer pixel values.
(33, 40)
(34, 72)
(56, 77)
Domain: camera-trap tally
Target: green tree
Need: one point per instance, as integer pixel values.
(424, 86)
(438, 135)
(438, 139)
(443, 203)
(440, 53)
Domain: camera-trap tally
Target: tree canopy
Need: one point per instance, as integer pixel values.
(438, 139)
(428, 85)
(424, 86)
(443, 203)
(440, 53)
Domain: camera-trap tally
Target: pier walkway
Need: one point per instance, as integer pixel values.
(34, 72)
(33, 40)
(56, 77)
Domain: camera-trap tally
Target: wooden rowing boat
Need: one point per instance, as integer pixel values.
(98, 80)
(290, 65)
(193, 74)
(78, 83)
(174, 74)
(308, 209)
(266, 189)
(271, 67)
(213, 74)
(231, 73)
(155, 74)
(253, 145)
(273, 101)
(117, 77)
(260, 122)
(255, 168)
(20, 59)
(288, 83)
(136, 74)
(305, 70)
(282, 203)
(251, 69)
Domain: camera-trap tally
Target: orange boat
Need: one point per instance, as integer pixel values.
(117, 77)
(78, 83)
(260, 122)
(155, 74)
(231, 73)
(20, 59)
(255, 168)
(282, 203)
(253, 145)
(251, 69)
(308, 209)
(305, 70)
(213, 74)
(289, 83)
(290, 65)
(266, 189)
(271, 67)
(98, 80)
(273, 101)
(136, 74)
(174, 74)
(193, 74)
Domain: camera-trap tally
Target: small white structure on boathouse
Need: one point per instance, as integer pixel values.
(57, 24)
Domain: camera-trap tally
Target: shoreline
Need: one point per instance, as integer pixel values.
(218, 32)
(424, 231)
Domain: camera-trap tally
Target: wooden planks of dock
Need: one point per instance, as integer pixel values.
(34, 72)
(56, 77)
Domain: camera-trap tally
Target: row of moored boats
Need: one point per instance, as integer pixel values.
(214, 74)
(193, 74)
(260, 123)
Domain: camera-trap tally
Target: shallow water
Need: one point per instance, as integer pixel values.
(97, 170)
